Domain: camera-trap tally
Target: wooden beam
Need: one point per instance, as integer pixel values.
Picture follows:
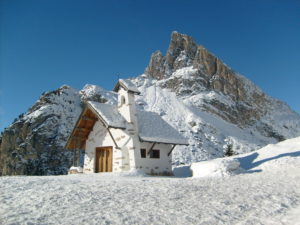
(82, 129)
(150, 150)
(117, 147)
(171, 150)
(89, 118)
(78, 137)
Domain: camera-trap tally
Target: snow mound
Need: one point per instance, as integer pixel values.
(269, 158)
(272, 156)
(75, 169)
(215, 168)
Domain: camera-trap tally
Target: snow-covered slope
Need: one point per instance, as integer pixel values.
(212, 105)
(209, 134)
(267, 193)
(271, 157)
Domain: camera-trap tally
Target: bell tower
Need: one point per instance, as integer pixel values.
(126, 107)
(126, 103)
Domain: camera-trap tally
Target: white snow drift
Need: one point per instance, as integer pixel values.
(270, 157)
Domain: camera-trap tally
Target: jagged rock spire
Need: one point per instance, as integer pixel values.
(182, 52)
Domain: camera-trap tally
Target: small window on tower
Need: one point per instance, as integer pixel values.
(143, 153)
(123, 100)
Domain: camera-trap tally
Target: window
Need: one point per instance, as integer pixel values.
(143, 153)
(123, 100)
(154, 154)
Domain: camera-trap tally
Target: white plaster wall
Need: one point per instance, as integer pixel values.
(99, 137)
(155, 166)
(128, 157)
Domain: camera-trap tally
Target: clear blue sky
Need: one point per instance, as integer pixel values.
(47, 43)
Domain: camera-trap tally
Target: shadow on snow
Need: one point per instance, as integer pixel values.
(247, 163)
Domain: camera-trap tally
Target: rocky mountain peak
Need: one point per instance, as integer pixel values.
(183, 51)
(189, 69)
(210, 71)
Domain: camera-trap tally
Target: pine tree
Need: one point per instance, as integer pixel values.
(229, 150)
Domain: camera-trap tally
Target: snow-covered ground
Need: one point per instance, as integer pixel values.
(267, 192)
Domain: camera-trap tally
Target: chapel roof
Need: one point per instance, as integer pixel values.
(127, 85)
(109, 114)
(152, 128)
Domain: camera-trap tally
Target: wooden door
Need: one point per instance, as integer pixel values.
(103, 159)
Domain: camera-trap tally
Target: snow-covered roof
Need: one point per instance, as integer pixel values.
(109, 114)
(152, 128)
(127, 85)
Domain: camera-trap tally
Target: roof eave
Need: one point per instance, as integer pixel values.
(160, 142)
(73, 130)
(116, 127)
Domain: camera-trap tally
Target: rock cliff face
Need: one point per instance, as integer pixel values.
(194, 91)
(33, 144)
(211, 73)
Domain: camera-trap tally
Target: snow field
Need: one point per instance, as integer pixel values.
(267, 192)
(256, 198)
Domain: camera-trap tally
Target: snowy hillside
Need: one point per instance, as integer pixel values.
(209, 134)
(267, 192)
(212, 105)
